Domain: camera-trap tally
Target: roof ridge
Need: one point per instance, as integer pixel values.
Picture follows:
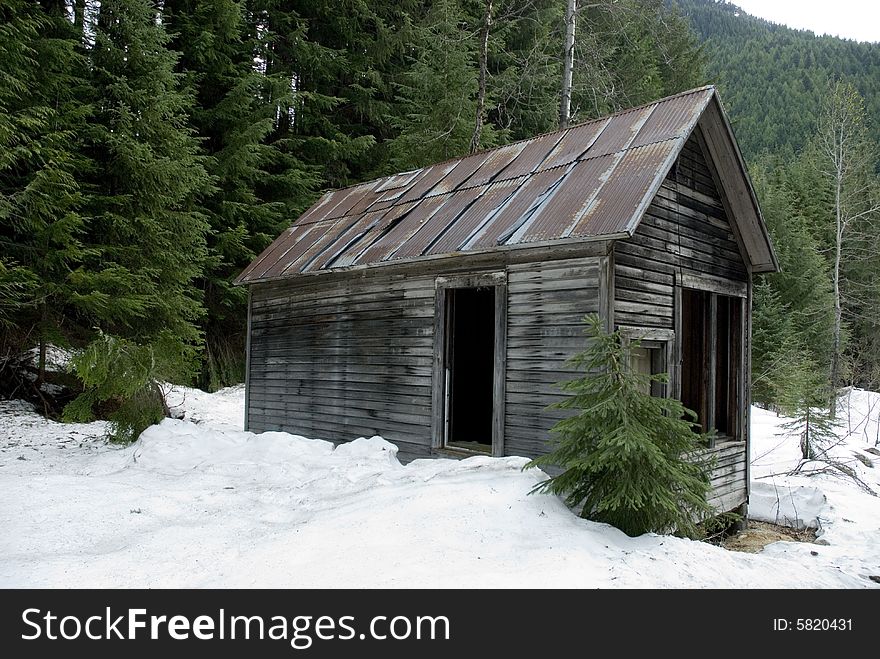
(604, 117)
(526, 191)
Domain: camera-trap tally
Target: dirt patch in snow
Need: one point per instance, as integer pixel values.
(760, 534)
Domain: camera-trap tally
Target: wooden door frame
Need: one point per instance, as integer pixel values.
(734, 289)
(498, 281)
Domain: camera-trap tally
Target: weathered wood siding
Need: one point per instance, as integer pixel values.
(728, 477)
(546, 305)
(685, 230)
(341, 358)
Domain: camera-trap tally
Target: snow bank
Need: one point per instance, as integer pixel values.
(197, 502)
(796, 506)
(224, 407)
(845, 510)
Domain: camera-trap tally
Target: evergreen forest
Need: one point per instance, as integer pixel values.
(150, 149)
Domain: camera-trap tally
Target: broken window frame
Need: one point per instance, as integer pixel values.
(661, 342)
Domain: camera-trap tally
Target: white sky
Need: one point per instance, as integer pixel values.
(850, 19)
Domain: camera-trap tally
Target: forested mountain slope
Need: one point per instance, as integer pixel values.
(772, 78)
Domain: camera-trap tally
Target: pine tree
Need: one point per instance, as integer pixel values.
(234, 114)
(147, 240)
(815, 429)
(792, 309)
(437, 96)
(628, 458)
(42, 116)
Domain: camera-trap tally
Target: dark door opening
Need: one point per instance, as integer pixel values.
(470, 367)
(694, 344)
(711, 359)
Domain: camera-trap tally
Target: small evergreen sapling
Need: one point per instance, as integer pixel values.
(122, 379)
(815, 429)
(628, 458)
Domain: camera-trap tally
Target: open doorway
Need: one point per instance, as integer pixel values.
(711, 359)
(469, 367)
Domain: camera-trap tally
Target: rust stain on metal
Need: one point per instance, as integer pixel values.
(576, 190)
(352, 196)
(315, 232)
(622, 193)
(526, 197)
(348, 238)
(496, 161)
(429, 178)
(439, 222)
(531, 158)
(574, 143)
(460, 173)
(350, 254)
(671, 118)
(620, 131)
(401, 231)
(486, 204)
(274, 252)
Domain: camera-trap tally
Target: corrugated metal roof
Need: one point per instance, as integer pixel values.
(591, 180)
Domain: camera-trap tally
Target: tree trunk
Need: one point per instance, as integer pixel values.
(41, 360)
(79, 16)
(806, 439)
(567, 65)
(484, 64)
(838, 313)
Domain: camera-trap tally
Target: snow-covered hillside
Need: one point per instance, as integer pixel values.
(197, 502)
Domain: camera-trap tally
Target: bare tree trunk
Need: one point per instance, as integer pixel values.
(484, 65)
(835, 341)
(838, 311)
(79, 15)
(567, 65)
(41, 360)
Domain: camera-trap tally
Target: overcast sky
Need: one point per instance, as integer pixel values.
(850, 19)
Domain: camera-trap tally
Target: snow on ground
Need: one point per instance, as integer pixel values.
(224, 407)
(196, 502)
(846, 514)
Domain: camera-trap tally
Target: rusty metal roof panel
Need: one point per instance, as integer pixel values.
(620, 131)
(575, 192)
(463, 169)
(330, 235)
(430, 177)
(574, 143)
(625, 190)
(350, 254)
(526, 199)
(273, 253)
(492, 197)
(342, 202)
(319, 209)
(396, 181)
(397, 233)
(344, 241)
(591, 180)
(532, 157)
(454, 206)
(365, 203)
(672, 118)
(314, 234)
(496, 161)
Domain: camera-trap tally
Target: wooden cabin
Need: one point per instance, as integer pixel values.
(437, 307)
